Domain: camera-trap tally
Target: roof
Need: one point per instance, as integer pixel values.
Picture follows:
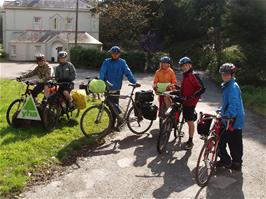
(67, 4)
(46, 36)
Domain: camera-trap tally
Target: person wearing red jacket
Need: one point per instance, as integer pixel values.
(191, 90)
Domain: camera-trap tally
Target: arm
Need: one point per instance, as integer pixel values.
(103, 71)
(72, 72)
(155, 80)
(198, 84)
(31, 73)
(129, 74)
(173, 78)
(231, 109)
(57, 74)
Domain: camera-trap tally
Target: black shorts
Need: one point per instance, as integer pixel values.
(66, 87)
(189, 113)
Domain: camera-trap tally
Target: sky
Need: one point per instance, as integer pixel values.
(1, 2)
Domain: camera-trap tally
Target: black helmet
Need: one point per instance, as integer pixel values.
(227, 68)
(62, 54)
(185, 60)
(165, 59)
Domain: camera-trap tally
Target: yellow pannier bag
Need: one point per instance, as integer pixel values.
(79, 97)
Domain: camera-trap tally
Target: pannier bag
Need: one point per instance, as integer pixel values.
(79, 97)
(149, 111)
(97, 86)
(162, 87)
(144, 96)
(203, 125)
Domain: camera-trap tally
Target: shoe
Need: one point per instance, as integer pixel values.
(220, 164)
(236, 166)
(189, 145)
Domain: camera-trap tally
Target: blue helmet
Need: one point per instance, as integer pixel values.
(115, 49)
(185, 60)
(165, 59)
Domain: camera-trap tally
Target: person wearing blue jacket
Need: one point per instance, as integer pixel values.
(232, 107)
(113, 70)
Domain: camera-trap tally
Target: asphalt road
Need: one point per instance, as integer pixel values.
(128, 166)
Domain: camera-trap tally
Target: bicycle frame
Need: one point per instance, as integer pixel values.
(112, 106)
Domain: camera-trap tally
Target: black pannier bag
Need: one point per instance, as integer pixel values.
(203, 125)
(144, 96)
(149, 111)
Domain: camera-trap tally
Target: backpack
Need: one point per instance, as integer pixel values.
(203, 88)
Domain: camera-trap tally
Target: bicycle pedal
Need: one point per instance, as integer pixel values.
(181, 134)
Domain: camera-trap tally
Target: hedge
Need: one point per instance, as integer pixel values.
(92, 58)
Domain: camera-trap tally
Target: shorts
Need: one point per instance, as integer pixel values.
(189, 113)
(66, 87)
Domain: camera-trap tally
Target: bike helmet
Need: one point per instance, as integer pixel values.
(40, 57)
(185, 60)
(165, 59)
(62, 54)
(227, 68)
(115, 49)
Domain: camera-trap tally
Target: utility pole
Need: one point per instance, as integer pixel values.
(76, 29)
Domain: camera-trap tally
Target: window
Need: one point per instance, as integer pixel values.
(37, 19)
(13, 50)
(55, 23)
(69, 22)
(38, 49)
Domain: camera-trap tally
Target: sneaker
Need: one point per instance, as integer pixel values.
(236, 166)
(188, 145)
(220, 164)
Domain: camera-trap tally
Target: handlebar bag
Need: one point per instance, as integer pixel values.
(97, 86)
(203, 125)
(79, 97)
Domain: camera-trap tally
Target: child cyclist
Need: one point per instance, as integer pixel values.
(232, 107)
(191, 90)
(164, 75)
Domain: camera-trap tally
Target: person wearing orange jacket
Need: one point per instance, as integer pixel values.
(165, 74)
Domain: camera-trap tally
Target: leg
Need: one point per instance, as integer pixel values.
(37, 90)
(167, 101)
(46, 91)
(224, 157)
(236, 147)
(188, 113)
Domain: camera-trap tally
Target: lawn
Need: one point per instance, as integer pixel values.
(23, 151)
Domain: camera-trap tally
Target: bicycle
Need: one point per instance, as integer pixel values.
(173, 119)
(209, 152)
(97, 120)
(56, 106)
(15, 107)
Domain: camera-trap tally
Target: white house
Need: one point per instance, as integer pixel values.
(47, 26)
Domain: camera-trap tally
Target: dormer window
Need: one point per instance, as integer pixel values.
(69, 23)
(36, 23)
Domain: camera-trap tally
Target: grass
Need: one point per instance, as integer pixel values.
(28, 150)
(255, 98)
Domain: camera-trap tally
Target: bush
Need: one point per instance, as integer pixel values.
(92, 58)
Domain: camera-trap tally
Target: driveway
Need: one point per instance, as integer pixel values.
(128, 166)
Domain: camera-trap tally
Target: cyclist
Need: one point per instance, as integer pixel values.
(112, 70)
(191, 90)
(165, 74)
(65, 73)
(232, 107)
(44, 73)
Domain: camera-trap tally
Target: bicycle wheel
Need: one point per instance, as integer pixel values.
(206, 162)
(136, 123)
(13, 110)
(164, 135)
(96, 122)
(50, 116)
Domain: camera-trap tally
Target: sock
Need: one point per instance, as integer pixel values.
(190, 139)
